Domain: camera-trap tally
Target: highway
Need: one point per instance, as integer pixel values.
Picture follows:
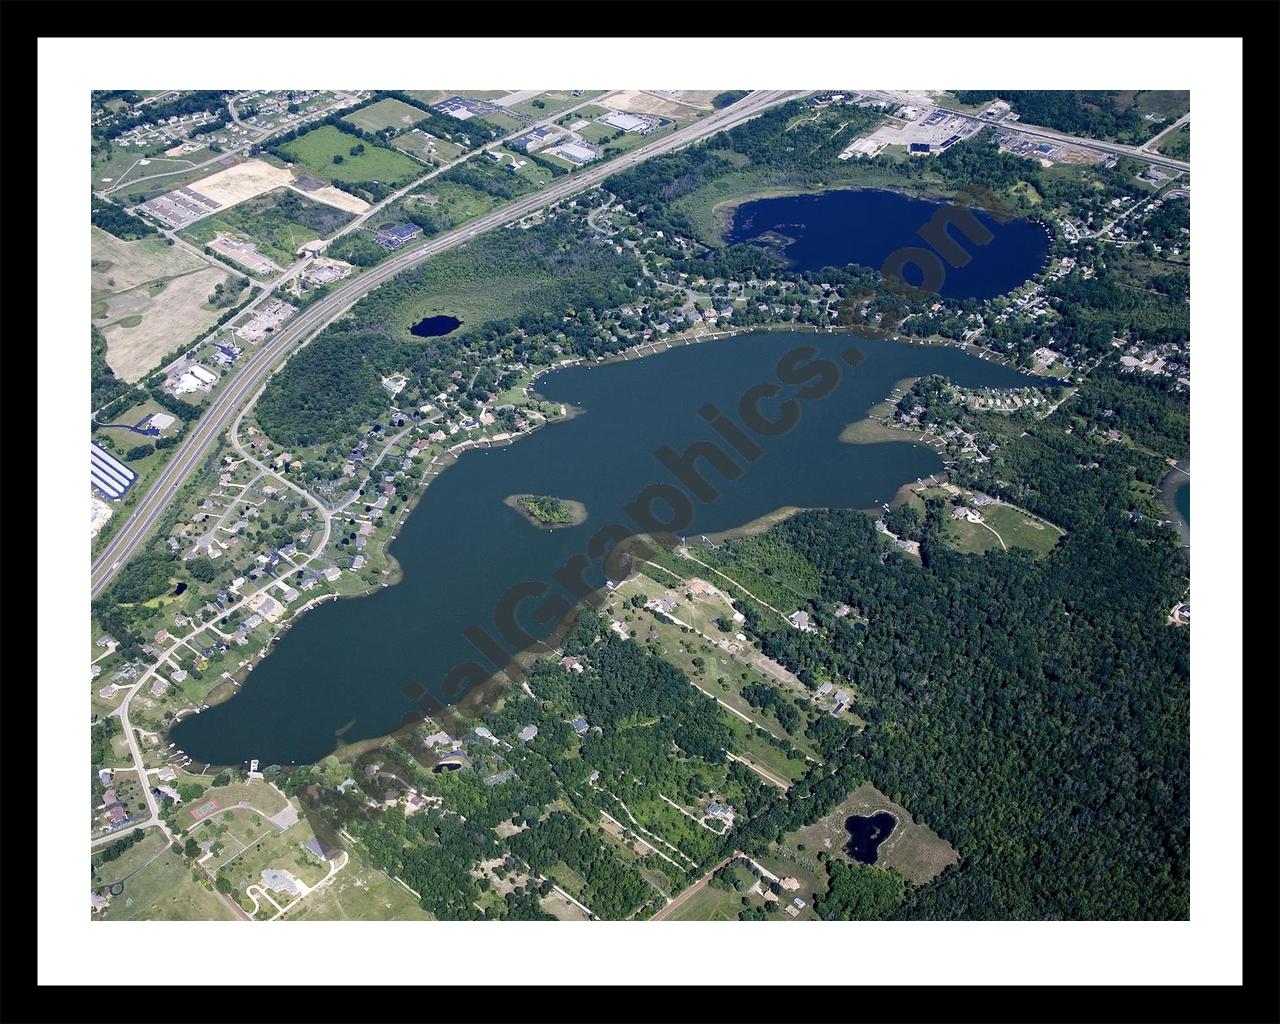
(306, 324)
(1113, 148)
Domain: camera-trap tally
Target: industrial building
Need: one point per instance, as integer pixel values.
(626, 122)
(397, 237)
(574, 153)
(532, 141)
(109, 475)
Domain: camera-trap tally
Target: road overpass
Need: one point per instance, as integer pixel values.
(306, 324)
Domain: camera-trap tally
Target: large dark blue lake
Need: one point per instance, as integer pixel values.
(865, 226)
(342, 670)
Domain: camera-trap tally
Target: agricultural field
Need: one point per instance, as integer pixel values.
(317, 149)
(277, 223)
(149, 298)
(388, 113)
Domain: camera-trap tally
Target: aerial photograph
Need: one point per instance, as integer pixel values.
(582, 505)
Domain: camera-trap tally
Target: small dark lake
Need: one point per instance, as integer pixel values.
(181, 588)
(865, 226)
(435, 326)
(1182, 502)
(867, 833)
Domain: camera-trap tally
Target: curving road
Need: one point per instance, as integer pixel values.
(306, 324)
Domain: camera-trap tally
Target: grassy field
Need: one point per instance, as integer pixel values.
(261, 795)
(136, 415)
(131, 862)
(388, 113)
(505, 123)
(681, 648)
(708, 904)
(164, 890)
(430, 96)
(1014, 527)
(1170, 103)
(148, 298)
(552, 102)
(278, 223)
(123, 166)
(138, 191)
(280, 850)
(438, 151)
(538, 176)
(1177, 144)
(913, 849)
(316, 150)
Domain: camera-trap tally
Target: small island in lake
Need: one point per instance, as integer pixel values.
(544, 510)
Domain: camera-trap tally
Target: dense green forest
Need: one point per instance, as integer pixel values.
(332, 386)
(1035, 713)
(104, 385)
(111, 218)
(1088, 112)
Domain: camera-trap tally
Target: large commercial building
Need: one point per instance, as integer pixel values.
(626, 122)
(397, 237)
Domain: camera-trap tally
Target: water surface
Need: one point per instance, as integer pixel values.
(343, 667)
(866, 833)
(865, 226)
(435, 326)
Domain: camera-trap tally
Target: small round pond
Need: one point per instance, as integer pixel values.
(866, 833)
(435, 326)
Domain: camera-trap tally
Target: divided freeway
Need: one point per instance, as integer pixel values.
(311, 320)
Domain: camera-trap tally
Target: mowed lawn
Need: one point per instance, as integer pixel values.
(315, 151)
(708, 904)
(359, 892)
(260, 795)
(1002, 523)
(388, 113)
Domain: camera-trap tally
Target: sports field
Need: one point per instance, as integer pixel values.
(317, 149)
